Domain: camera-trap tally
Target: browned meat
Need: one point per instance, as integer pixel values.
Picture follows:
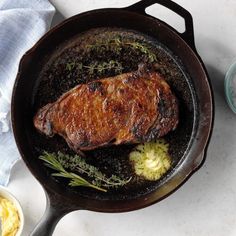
(128, 108)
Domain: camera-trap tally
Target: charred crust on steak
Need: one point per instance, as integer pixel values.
(153, 134)
(95, 86)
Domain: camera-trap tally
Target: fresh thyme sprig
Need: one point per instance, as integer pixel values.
(100, 67)
(65, 164)
(116, 45)
(96, 67)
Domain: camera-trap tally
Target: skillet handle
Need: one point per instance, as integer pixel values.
(54, 212)
(188, 35)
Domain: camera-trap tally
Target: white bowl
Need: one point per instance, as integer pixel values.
(230, 87)
(5, 194)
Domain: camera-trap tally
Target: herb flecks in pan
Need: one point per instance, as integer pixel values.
(151, 160)
(71, 166)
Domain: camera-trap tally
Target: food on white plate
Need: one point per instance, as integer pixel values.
(134, 107)
(151, 160)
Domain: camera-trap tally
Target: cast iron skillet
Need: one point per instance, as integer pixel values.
(192, 89)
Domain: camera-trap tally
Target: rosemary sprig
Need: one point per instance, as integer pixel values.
(62, 163)
(75, 180)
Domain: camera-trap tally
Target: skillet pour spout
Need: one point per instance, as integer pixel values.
(38, 83)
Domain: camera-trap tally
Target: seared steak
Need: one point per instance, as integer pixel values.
(128, 108)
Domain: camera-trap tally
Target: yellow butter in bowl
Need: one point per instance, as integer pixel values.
(10, 220)
(11, 214)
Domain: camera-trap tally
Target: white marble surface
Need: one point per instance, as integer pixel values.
(206, 204)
